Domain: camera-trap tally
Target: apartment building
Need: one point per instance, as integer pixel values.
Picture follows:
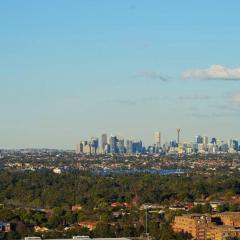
(209, 227)
(194, 224)
(229, 218)
(222, 232)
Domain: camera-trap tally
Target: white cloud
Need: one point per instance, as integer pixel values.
(214, 72)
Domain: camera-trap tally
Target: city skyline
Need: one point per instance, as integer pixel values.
(80, 68)
(113, 144)
(157, 138)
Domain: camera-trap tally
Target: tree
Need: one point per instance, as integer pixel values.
(103, 230)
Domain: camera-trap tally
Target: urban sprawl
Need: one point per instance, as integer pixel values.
(116, 189)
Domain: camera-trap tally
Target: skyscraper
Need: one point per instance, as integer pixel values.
(214, 140)
(94, 145)
(233, 144)
(205, 141)
(104, 142)
(157, 141)
(137, 146)
(78, 148)
(178, 135)
(129, 147)
(120, 146)
(113, 144)
(199, 139)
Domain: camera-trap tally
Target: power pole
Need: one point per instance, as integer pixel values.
(146, 227)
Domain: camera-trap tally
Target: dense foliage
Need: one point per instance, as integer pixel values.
(23, 192)
(45, 189)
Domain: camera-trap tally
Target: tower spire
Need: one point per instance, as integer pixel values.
(178, 135)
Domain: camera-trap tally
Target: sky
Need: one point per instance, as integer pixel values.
(70, 70)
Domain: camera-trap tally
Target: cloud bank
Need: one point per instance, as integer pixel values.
(214, 72)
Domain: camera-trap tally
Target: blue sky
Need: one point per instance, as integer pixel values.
(70, 70)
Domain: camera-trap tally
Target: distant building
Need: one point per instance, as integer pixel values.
(214, 141)
(39, 229)
(120, 147)
(205, 141)
(76, 208)
(94, 146)
(78, 148)
(57, 170)
(86, 147)
(137, 147)
(104, 142)
(173, 144)
(224, 148)
(199, 139)
(5, 227)
(233, 145)
(91, 225)
(157, 137)
(113, 144)
(129, 147)
(201, 148)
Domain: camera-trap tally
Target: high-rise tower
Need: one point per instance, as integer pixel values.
(178, 135)
(157, 137)
(104, 142)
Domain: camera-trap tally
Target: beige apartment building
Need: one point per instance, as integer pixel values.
(194, 224)
(209, 227)
(221, 232)
(229, 218)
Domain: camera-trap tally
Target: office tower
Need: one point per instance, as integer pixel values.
(224, 147)
(107, 148)
(113, 144)
(86, 147)
(78, 150)
(199, 139)
(205, 140)
(201, 148)
(233, 144)
(157, 137)
(129, 147)
(195, 147)
(173, 144)
(178, 135)
(214, 141)
(150, 149)
(137, 147)
(104, 142)
(120, 146)
(94, 146)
